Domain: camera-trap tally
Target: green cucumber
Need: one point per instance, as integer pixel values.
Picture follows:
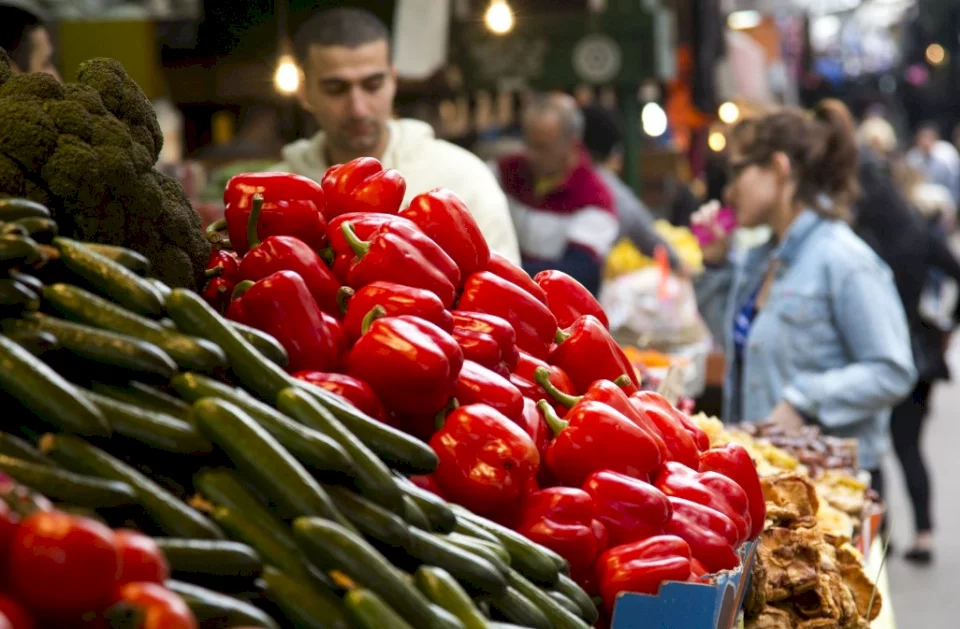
(156, 430)
(441, 516)
(517, 608)
(17, 297)
(495, 554)
(469, 529)
(371, 475)
(569, 588)
(28, 280)
(557, 614)
(15, 208)
(304, 606)
(113, 280)
(315, 450)
(475, 573)
(564, 602)
(37, 343)
(39, 228)
(128, 258)
(210, 557)
(442, 589)
(162, 289)
(84, 307)
(270, 347)
(264, 461)
(505, 625)
(333, 547)
(145, 396)
(213, 609)
(370, 518)
(529, 558)
(171, 515)
(396, 448)
(46, 394)
(17, 249)
(20, 449)
(195, 316)
(414, 515)
(100, 346)
(369, 611)
(83, 491)
(243, 516)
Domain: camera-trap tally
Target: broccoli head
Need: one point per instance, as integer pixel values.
(32, 86)
(29, 134)
(12, 180)
(86, 96)
(73, 172)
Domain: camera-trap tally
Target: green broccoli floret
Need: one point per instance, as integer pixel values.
(108, 131)
(5, 71)
(36, 192)
(115, 164)
(73, 172)
(11, 177)
(29, 134)
(28, 86)
(71, 118)
(86, 96)
(143, 161)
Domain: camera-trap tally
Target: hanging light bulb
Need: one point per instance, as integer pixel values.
(717, 141)
(499, 17)
(654, 120)
(729, 113)
(287, 76)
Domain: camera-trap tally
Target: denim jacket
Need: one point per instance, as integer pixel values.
(831, 340)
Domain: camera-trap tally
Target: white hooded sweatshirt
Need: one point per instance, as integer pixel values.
(426, 163)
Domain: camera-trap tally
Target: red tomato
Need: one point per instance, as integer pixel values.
(8, 526)
(65, 565)
(161, 608)
(140, 558)
(15, 615)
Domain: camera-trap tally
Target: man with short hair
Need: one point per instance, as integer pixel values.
(938, 160)
(563, 211)
(25, 38)
(603, 138)
(349, 83)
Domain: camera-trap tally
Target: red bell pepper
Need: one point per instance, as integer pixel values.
(564, 520)
(355, 391)
(287, 253)
(362, 186)
(709, 489)
(335, 328)
(535, 326)
(588, 353)
(364, 226)
(428, 483)
(608, 393)
(293, 206)
(486, 460)
(443, 217)
(479, 385)
(217, 293)
(629, 508)
(487, 339)
(395, 299)
(734, 462)
(658, 410)
(642, 567)
(523, 378)
(594, 437)
(223, 273)
(281, 305)
(707, 531)
(536, 427)
(395, 254)
(411, 364)
(501, 267)
(568, 299)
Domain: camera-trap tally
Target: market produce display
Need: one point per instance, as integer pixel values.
(86, 150)
(446, 456)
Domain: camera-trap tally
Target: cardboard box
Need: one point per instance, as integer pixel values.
(714, 605)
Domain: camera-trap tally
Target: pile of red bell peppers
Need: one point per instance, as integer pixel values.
(536, 415)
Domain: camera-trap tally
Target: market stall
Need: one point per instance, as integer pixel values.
(365, 419)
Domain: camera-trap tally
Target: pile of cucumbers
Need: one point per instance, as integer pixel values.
(277, 504)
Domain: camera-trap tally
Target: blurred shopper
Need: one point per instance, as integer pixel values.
(25, 38)
(349, 84)
(603, 138)
(813, 329)
(563, 211)
(937, 159)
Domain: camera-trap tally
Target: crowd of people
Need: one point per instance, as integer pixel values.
(840, 318)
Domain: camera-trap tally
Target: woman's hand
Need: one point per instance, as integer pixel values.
(716, 251)
(786, 417)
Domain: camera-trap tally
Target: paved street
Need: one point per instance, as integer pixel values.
(930, 598)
